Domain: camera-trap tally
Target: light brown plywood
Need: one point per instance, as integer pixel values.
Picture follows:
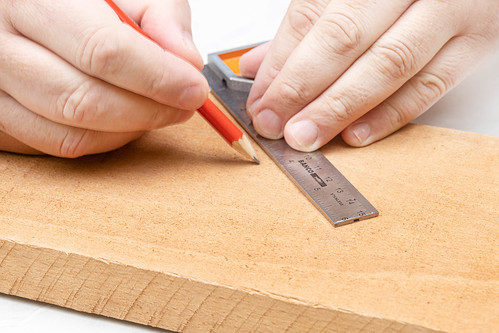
(177, 231)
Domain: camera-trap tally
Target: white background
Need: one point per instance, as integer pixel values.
(224, 24)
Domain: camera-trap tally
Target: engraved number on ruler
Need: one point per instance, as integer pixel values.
(312, 173)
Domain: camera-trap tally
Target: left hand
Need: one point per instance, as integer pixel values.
(75, 80)
(363, 68)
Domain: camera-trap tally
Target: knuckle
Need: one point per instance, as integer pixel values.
(98, 53)
(78, 105)
(397, 117)
(274, 70)
(396, 59)
(294, 93)
(158, 84)
(156, 120)
(302, 17)
(338, 109)
(74, 144)
(429, 86)
(345, 32)
(160, 118)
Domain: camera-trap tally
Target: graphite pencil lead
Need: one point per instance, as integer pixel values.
(244, 147)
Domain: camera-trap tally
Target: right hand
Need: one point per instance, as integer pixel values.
(363, 68)
(75, 80)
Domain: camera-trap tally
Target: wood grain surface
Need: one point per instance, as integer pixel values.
(177, 231)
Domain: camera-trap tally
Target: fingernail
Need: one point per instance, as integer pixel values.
(304, 133)
(191, 97)
(361, 131)
(268, 124)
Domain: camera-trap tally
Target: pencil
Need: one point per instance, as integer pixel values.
(226, 128)
(217, 119)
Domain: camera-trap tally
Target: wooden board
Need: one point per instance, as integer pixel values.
(177, 231)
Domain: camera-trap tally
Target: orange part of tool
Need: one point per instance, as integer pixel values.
(231, 59)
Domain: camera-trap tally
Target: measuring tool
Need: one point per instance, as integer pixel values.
(315, 176)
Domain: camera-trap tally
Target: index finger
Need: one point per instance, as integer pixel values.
(344, 31)
(90, 36)
(299, 19)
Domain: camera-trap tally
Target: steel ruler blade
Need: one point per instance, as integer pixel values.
(339, 201)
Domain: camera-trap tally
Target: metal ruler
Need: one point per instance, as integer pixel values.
(339, 201)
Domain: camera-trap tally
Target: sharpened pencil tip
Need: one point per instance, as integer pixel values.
(243, 146)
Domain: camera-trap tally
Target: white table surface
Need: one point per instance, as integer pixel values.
(223, 24)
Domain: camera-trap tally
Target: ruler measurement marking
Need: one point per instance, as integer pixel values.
(324, 185)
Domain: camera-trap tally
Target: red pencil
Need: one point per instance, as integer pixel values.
(226, 128)
(220, 122)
